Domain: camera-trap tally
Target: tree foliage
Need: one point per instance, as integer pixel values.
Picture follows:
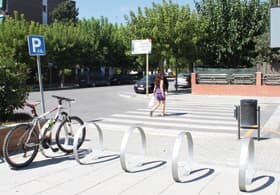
(65, 12)
(172, 29)
(13, 70)
(13, 88)
(230, 28)
(267, 59)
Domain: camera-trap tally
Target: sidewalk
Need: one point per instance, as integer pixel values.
(215, 169)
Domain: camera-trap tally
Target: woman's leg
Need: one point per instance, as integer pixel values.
(163, 107)
(154, 108)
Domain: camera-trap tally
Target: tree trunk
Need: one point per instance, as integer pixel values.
(161, 65)
(62, 78)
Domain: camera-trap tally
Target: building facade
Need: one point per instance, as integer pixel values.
(35, 10)
(2, 13)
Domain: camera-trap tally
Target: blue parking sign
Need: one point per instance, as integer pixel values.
(36, 45)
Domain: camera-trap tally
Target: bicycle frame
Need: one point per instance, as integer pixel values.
(36, 122)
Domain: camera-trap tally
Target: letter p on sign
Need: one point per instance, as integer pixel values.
(36, 45)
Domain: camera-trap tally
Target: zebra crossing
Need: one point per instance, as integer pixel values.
(188, 116)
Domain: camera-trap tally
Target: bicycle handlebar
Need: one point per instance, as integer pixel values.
(60, 99)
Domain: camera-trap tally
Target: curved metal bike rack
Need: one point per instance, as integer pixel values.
(47, 152)
(124, 144)
(88, 152)
(175, 155)
(246, 165)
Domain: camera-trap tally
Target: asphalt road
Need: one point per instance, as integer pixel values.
(100, 102)
(95, 102)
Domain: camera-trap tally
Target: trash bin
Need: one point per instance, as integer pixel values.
(248, 112)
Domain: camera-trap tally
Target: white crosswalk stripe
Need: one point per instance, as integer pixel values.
(179, 116)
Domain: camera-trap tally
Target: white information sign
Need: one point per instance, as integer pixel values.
(141, 46)
(274, 27)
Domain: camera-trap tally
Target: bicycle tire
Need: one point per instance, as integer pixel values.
(18, 155)
(65, 138)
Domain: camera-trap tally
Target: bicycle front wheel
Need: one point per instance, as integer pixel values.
(20, 146)
(66, 132)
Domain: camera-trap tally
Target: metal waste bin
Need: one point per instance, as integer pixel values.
(248, 112)
(248, 115)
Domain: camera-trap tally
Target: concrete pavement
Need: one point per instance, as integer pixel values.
(215, 169)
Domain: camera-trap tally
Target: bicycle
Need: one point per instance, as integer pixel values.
(22, 143)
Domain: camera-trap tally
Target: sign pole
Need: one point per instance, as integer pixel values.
(143, 47)
(41, 84)
(36, 47)
(147, 74)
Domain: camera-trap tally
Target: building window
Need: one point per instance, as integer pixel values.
(44, 8)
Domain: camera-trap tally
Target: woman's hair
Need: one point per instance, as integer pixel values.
(158, 78)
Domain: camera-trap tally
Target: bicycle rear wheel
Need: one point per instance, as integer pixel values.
(66, 132)
(20, 146)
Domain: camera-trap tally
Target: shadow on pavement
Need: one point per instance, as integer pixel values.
(201, 175)
(155, 164)
(270, 180)
(46, 162)
(176, 114)
(102, 159)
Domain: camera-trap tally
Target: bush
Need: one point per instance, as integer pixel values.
(13, 88)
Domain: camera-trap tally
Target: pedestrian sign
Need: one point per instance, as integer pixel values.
(36, 45)
(143, 46)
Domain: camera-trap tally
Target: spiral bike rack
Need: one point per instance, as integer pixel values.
(47, 152)
(92, 153)
(124, 145)
(246, 164)
(175, 155)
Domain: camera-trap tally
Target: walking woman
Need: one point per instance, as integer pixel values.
(159, 93)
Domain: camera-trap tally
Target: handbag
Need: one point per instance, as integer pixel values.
(151, 102)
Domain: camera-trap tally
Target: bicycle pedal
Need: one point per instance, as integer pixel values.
(55, 149)
(45, 145)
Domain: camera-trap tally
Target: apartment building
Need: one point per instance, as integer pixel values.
(36, 10)
(2, 13)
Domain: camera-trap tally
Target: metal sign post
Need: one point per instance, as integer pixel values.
(147, 74)
(41, 84)
(143, 47)
(36, 47)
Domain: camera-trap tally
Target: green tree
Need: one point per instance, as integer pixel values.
(110, 44)
(173, 30)
(13, 87)
(63, 44)
(103, 44)
(230, 28)
(274, 3)
(88, 54)
(267, 58)
(65, 12)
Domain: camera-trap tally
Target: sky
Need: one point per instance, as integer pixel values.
(115, 10)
